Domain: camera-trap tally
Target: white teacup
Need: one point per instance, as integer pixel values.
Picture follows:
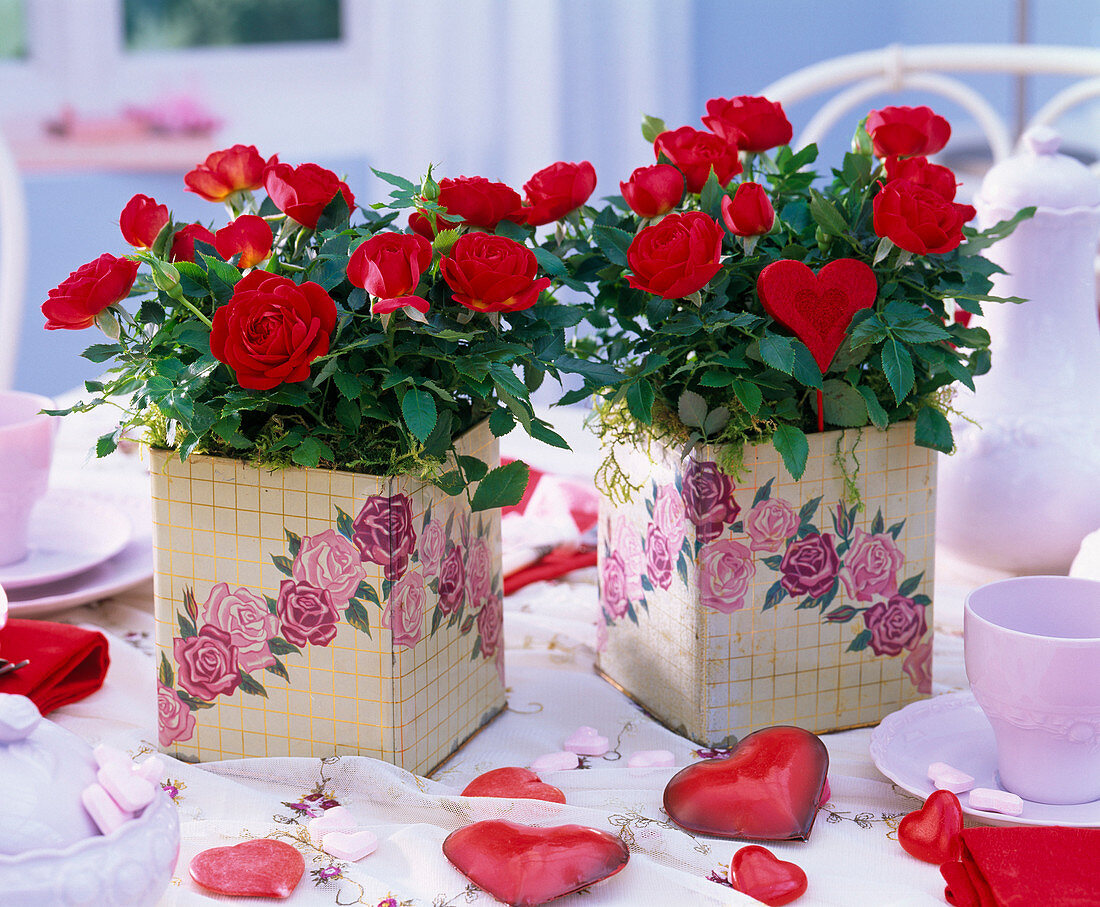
(26, 448)
(1032, 648)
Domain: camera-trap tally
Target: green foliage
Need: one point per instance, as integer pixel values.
(668, 364)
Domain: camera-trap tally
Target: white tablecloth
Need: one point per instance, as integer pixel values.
(852, 858)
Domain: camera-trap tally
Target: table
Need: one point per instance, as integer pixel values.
(853, 857)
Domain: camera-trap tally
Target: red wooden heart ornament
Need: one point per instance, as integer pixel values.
(817, 307)
(521, 783)
(524, 866)
(768, 789)
(933, 832)
(262, 868)
(757, 872)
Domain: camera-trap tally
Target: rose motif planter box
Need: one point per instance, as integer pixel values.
(311, 612)
(729, 605)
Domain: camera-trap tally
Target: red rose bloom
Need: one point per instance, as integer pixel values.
(303, 192)
(248, 236)
(918, 219)
(677, 256)
(752, 124)
(556, 190)
(695, 153)
(905, 131)
(654, 190)
(749, 212)
(272, 329)
(917, 169)
(476, 201)
(183, 242)
(225, 172)
(87, 291)
(490, 273)
(421, 225)
(141, 220)
(389, 265)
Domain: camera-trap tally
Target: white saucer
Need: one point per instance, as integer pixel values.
(954, 730)
(69, 534)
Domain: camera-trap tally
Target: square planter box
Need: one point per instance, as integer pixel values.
(312, 612)
(729, 605)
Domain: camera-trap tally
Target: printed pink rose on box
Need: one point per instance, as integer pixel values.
(433, 545)
(669, 514)
(404, 614)
(479, 572)
(918, 665)
(708, 499)
(307, 614)
(207, 663)
(384, 532)
(490, 622)
(245, 617)
(660, 560)
(626, 542)
(331, 562)
(871, 566)
(726, 569)
(174, 718)
(809, 566)
(613, 586)
(895, 625)
(770, 524)
(452, 581)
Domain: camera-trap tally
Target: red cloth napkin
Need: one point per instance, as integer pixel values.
(1025, 867)
(66, 662)
(556, 563)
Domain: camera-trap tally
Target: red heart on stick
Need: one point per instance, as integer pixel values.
(933, 832)
(768, 789)
(262, 868)
(757, 872)
(817, 307)
(524, 866)
(511, 782)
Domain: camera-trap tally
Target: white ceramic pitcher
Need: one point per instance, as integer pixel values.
(1023, 488)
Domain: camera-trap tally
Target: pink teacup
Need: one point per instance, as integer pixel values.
(1032, 648)
(26, 447)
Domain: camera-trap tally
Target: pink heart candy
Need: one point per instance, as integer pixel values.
(336, 819)
(651, 759)
(561, 761)
(103, 809)
(996, 801)
(586, 741)
(351, 847)
(152, 769)
(106, 755)
(131, 792)
(947, 777)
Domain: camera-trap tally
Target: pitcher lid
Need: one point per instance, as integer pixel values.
(1038, 175)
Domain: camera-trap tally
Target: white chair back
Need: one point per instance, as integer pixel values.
(13, 262)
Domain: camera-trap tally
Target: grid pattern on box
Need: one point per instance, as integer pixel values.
(220, 521)
(721, 675)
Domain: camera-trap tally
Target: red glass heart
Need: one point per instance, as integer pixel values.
(262, 869)
(511, 783)
(757, 872)
(524, 866)
(933, 832)
(817, 307)
(768, 789)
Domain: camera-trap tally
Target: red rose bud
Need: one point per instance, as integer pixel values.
(906, 131)
(388, 306)
(183, 242)
(752, 124)
(749, 212)
(695, 153)
(654, 190)
(272, 329)
(87, 291)
(917, 169)
(225, 172)
(918, 219)
(421, 224)
(556, 190)
(676, 256)
(141, 220)
(389, 265)
(302, 193)
(476, 201)
(248, 236)
(490, 273)
(962, 316)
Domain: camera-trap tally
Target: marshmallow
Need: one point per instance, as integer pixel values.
(335, 819)
(351, 847)
(586, 741)
(556, 762)
(103, 809)
(651, 759)
(947, 777)
(996, 801)
(105, 755)
(130, 791)
(152, 769)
